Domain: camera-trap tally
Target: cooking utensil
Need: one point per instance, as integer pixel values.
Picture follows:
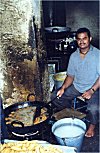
(27, 130)
(38, 109)
(69, 132)
(57, 29)
(56, 32)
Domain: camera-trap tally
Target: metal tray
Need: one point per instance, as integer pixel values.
(65, 149)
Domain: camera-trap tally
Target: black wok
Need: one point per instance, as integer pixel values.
(25, 131)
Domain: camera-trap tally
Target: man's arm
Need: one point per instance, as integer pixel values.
(67, 82)
(91, 91)
(96, 85)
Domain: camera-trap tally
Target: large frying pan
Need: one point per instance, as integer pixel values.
(26, 131)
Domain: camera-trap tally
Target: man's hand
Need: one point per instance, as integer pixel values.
(88, 94)
(60, 92)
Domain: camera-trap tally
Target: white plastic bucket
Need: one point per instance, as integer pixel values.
(69, 132)
(59, 79)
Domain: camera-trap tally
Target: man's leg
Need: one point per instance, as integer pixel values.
(93, 113)
(66, 99)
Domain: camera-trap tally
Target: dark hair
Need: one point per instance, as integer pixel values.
(81, 30)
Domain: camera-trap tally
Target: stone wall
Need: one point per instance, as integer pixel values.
(20, 58)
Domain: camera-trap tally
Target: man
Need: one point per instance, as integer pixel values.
(83, 78)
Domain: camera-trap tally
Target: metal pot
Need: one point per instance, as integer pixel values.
(69, 132)
(57, 29)
(27, 131)
(56, 32)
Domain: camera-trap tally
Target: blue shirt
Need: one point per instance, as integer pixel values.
(85, 71)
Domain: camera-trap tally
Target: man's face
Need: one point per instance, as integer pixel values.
(83, 40)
